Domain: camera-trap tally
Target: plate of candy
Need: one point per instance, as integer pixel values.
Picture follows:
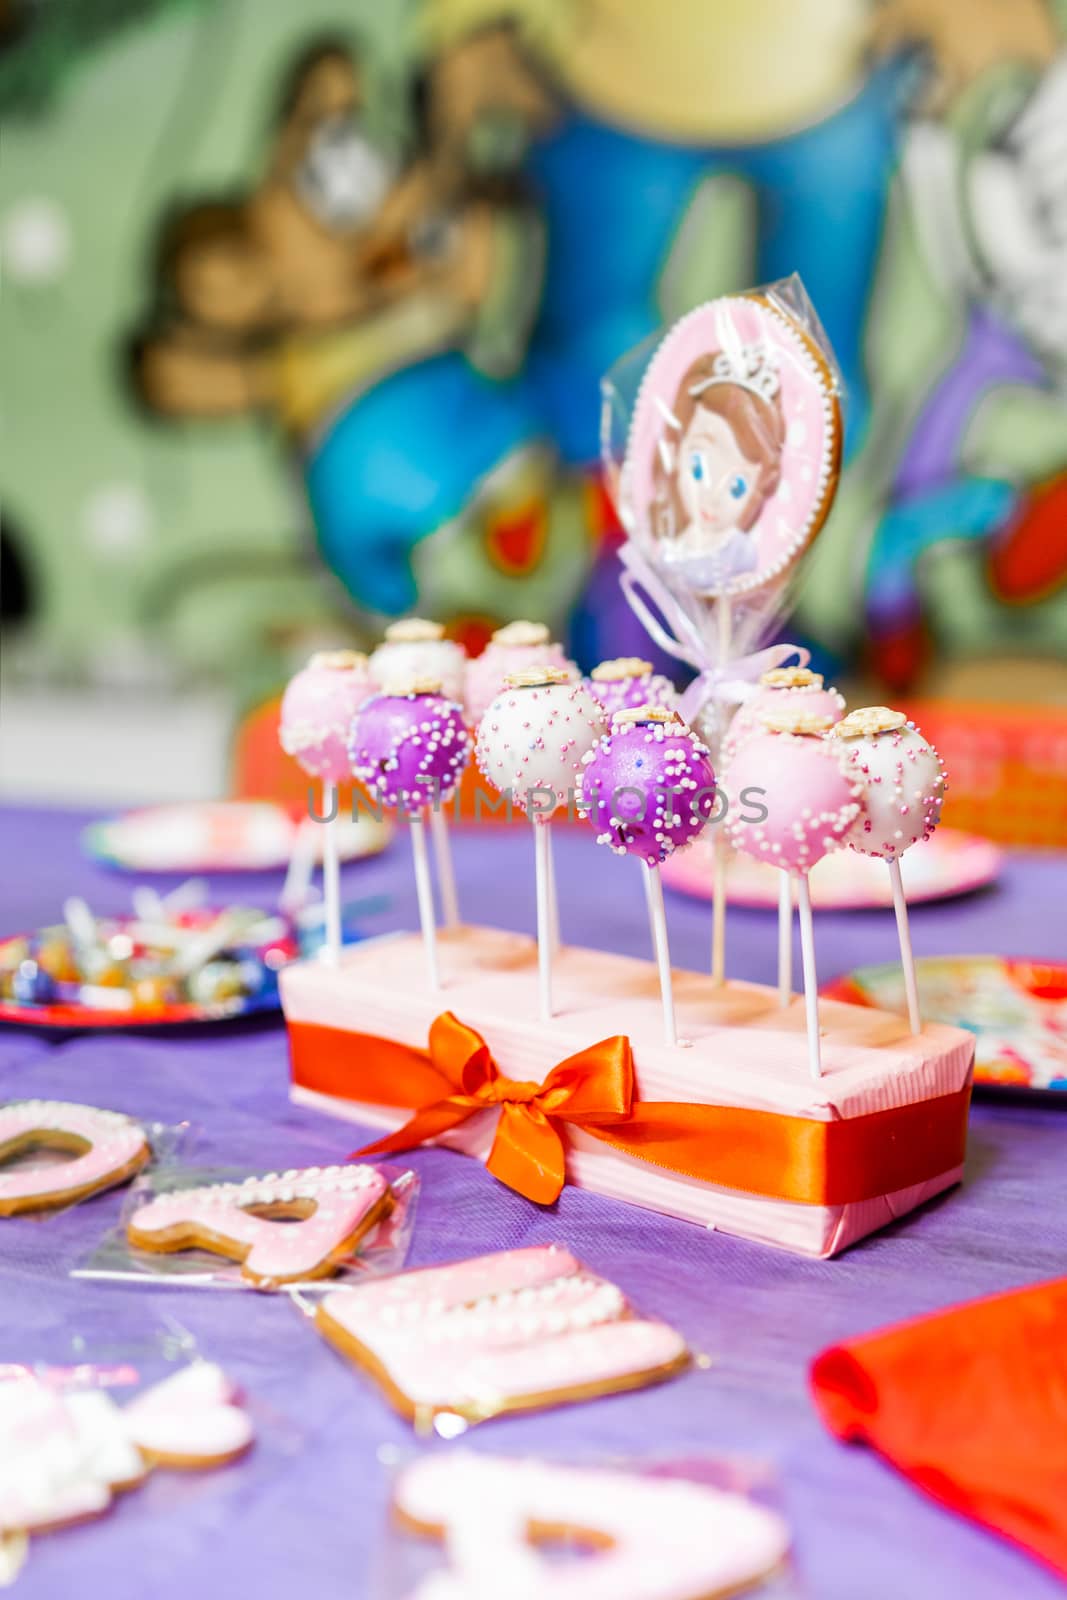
(1017, 1011)
(161, 965)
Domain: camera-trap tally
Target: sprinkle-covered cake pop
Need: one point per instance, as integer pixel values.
(417, 648)
(791, 797)
(536, 732)
(785, 689)
(649, 784)
(901, 776)
(317, 711)
(410, 746)
(628, 682)
(520, 647)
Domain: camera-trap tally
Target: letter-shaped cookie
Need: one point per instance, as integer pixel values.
(506, 1332)
(651, 1537)
(330, 1209)
(108, 1148)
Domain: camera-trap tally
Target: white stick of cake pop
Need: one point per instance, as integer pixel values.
(530, 742)
(410, 744)
(718, 838)
(317, 711)
(809, 802)
(902, 779)
(446, 872)
(553, 898)
(649, 789)
(785, 940)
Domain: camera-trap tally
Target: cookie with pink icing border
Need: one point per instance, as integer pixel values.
(648, 1537)
(191, 1420)
(283, 1228)
(107, 1149)
(507, 1332)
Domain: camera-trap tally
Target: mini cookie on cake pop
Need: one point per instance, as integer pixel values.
(901, 776)
(317, 711)
(649, 784)
(417, 648)
(409, 744)
(798, 777)
(785, 689)
(535, 733)
(628, 683)
(519, 647)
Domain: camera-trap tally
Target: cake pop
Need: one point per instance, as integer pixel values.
(519, 647)
(783, 689)
(417, 648)
(806, 803)
(650, 790)
(628, 682)
(530, 743)
(317, 710)
(902, 779)
(410, 746)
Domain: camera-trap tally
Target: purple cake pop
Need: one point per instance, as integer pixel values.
(628, 682)
(410, 746)
(649, 784)
(317, 711)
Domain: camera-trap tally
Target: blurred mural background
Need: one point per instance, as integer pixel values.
(305, 309)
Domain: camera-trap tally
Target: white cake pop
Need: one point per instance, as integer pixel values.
(901, 776)
(535, 733)
(416, 648)
(518, 647)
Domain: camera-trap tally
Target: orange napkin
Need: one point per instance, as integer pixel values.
(971, 1405)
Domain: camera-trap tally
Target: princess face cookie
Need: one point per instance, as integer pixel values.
(508, 1332)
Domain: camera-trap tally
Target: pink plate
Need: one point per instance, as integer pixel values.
(949, 863)
(216, 836)
(1017, 1011)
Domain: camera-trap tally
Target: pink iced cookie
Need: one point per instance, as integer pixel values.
(317, 711)
(506, 1332)
(534, 735)
(785, 689)
(651, 1538)
(335, 1206)
(518, 647)
(108, 1149)
(901, 776)
(791, 799)
(416, 648)
(193, 1419)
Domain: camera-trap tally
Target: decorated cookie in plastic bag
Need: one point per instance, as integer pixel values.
(734, 447)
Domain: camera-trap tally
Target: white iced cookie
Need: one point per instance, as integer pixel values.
(901, 777)
(417, 648)
(48, 1474)
(647, 1538)
(329, 1209)
(107, 1147)
(534, 735)
(193, 1419)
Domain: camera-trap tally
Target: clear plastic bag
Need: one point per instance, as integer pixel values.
(57, 1153)
(721, 440)
(381, 1249)
(466, 1525)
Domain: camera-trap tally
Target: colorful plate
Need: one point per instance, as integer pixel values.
(947, 864)
(268, 955)
(217, 836)
(1017, 1011)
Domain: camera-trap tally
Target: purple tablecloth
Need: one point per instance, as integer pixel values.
(305, 1511)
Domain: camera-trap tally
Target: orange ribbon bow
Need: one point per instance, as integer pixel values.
(591, 1089)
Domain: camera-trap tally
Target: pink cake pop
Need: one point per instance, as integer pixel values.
(785, 689)
(519, 647)
(417, 648)
(628, 682)
(792, 772)
(317, 711)
(649, 784)
(410, 746)
(530, 743)
(902, 782)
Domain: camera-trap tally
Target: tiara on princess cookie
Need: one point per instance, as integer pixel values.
(752, 367)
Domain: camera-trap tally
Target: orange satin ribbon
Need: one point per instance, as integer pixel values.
(765, 1153)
